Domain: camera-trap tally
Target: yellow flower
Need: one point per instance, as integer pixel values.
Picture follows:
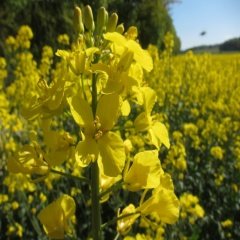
(30, 160)
(122, 44)
(217, 152)
(59, 145)
(3, 198)
(15, 229)
(63, 39)
(56, 215)
(50, 101)
(97, 135)
(124, 225)
(10, 40)
(157, 132)
(163, 202)
(190, 207)
(15, 205)
(145, 171)
(227, 223)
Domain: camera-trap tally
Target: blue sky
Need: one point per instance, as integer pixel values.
(219, 18)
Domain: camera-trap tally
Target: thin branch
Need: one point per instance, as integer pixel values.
(83, 179)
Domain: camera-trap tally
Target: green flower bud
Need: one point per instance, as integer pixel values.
(112, 23)
(80, 59)
(77, 21)
(120, 28)
(125, 61)
(88, 18)
(102, 16)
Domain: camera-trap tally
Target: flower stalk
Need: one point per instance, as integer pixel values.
(96, 211)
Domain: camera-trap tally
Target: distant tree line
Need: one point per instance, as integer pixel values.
(230, 45)
(48, 18)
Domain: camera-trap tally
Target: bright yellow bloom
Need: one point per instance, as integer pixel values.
(56, 215)
(97, 135)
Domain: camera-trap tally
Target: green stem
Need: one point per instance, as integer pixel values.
(115, 187)
(96, 210)
(70, 176)
(96, 214)
(118, 218)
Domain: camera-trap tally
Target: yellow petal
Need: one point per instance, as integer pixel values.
(145, 171)
(68, 205)
(112, 151)
(14, 166)
(166, 182)
(136, 72)
(81, 111)
(51, 138)
(164, 203)
(142, 122)
(115, 37)
(108, 109)
(140, 56)
(86, 152)
(62, 53)
(91, 51)
(124, 225)
(58, 157)
(158, 135)
(125, 108)
(56, 215)
(149, 98)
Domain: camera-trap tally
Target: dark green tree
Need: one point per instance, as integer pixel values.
(230, 45)
(48, 18)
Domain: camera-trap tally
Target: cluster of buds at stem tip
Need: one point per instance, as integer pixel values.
(84, 23)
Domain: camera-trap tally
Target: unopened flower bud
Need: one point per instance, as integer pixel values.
(125, 61)
(77, 21)
(120, 28)
(102, 17)
(132, 33)
(80, 58)
(88, 18)
(112, 23)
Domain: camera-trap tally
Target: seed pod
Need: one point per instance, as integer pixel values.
(88, 18)
(112, 22)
